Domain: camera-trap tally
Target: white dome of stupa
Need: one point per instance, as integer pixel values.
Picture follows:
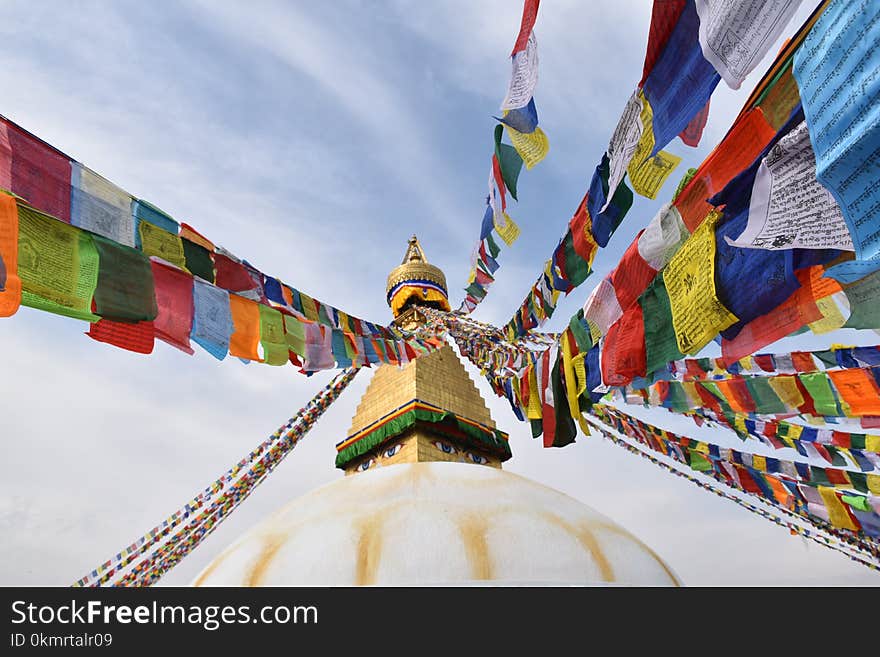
(436, 523)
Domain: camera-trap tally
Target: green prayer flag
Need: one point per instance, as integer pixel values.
(295, 335)
(576, 268)
(198, 260)
(580, 331)
(509, 161)
(836, 456)
(685, 179)
(661, 345)
(698, 461)
(857, 502)
(864, 302)
(125, 290)
(494, 249)
(766, 400)
(272, 336)
(476, 290)
(827, 356)
(859, 481)
(820, 390)
(677, 399)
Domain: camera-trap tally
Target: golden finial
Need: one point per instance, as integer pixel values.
(415, 280)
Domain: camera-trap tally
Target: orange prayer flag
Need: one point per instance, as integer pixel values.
(10, 283)
(246, 321)
(812, 280)
(739, 148)
(858, 389)
(190, 233)
(737, 395)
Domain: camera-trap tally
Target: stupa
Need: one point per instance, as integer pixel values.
(425, 500)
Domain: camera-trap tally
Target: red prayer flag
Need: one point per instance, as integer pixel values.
(623, 353)
(632, 275)
(174, 299)
(231, 275)
(136, 336)
(35, 171)
(694, 130)
(530, 13)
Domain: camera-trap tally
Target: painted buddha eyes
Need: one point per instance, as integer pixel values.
(446, 448)
(476, 458)
(391, 451)
(366, 465)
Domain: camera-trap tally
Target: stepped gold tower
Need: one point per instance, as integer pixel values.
(429, 503)
(429, 410)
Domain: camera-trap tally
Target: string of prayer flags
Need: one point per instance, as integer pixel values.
(777, 482)
(840, 543)
(211, 505)
(528, 145)
(79, 262)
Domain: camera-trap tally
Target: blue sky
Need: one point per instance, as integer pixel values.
(313, 139)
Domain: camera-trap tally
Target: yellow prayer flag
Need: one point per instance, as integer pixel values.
(533, 412)
(647, 173)
(646, 141)
(872, 443)
(531, 146)
(832, 317)
(158, 242)
(873, 483)
(650, 175)
(580, 371)
(697, 314)
(836, 511)
(508, 230)
(759, 463)
(786, 389)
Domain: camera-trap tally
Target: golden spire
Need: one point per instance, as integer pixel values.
(416, 282)
(414, 252)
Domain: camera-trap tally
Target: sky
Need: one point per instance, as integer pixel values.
(313, 139)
